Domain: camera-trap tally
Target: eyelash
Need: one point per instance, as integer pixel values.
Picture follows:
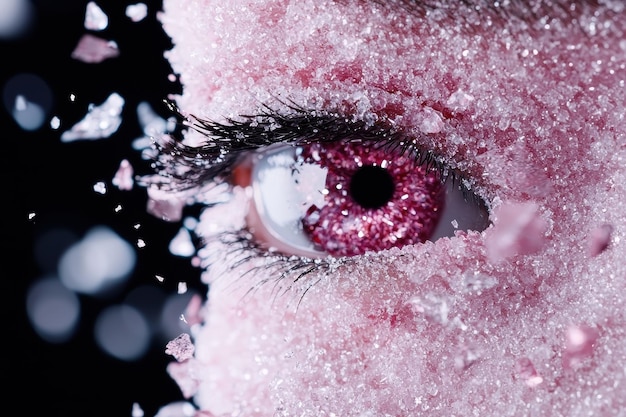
(187, 167)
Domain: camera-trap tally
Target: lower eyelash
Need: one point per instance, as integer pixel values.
(289, 270)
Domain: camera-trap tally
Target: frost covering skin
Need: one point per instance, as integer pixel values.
(525, 318)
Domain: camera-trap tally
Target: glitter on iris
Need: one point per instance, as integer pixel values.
(374, 199)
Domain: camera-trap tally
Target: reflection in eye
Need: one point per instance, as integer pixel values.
(348, 197)
(322, 185)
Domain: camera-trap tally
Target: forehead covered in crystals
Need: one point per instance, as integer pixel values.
(493, 86)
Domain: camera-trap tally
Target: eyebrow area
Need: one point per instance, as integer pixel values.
(500, 13)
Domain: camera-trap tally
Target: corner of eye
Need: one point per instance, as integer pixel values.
(241, 174)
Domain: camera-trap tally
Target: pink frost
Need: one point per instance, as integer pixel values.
(599, 239)
(93, 50)
(124, 176)
(519, 230)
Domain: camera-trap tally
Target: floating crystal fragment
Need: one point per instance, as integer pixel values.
(181, 244)
(123, 178)
(95, 18)
(100, 187)
(137, 411)
(55, 123)
(93, 50)
(180, 348)
(137, 12)
(165, 206)
(151, 123)
(180, 409)
(99, 122)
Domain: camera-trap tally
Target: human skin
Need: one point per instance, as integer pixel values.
(523, 318)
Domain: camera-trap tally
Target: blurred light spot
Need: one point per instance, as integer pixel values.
(147, 299)
(53, 310)
(174, 307)
(122, 332)
(137, 12)
(101, 260)
(99, 122)
(95, 18)
(190, 223)
(50, 246)
(15, 18)
(28, 98)
(151, 123)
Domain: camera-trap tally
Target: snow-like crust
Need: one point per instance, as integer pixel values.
(523, 319)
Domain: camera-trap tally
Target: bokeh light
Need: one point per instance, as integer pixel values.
(53, 310)
(122, 332)
(98, 263)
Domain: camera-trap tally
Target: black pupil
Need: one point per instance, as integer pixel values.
(371, 186)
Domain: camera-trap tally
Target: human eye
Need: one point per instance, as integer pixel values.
(320, 185)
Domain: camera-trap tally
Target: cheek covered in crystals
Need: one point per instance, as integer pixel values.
(346, 198)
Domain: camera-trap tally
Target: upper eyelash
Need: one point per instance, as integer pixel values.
(189, 166)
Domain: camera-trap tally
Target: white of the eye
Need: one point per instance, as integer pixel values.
(283, 189)
(459, 214)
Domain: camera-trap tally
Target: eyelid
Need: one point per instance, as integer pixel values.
(230, 142)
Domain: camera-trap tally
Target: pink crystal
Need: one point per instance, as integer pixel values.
(180, 348)
(93, 49)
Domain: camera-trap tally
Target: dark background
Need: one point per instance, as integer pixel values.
(55, 181)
